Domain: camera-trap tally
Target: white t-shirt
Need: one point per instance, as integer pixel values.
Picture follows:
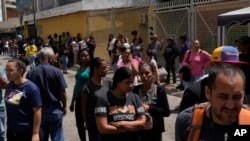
(111, 44)
(6, 44)
(75, 46)
(83, 44)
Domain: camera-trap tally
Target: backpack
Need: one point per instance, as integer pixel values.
(198, 116)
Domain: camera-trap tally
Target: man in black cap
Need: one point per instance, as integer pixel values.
(244, 49)
(170, 53)
(183, 48)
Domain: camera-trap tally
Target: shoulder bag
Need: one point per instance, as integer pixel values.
(184, 72)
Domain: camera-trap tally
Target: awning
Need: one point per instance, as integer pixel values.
(241, 16)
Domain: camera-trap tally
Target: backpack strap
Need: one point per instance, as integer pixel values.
(198, 116)
(189, 53)
(244, 116)
(197, 120)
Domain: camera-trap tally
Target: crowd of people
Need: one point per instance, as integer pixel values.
(131, 105)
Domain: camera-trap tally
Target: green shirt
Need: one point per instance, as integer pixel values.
(82, 76)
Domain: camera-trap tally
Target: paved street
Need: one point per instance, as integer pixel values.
(69, 124)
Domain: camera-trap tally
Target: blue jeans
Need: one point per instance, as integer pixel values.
(114, 67)
(65, 60)
(32, 61)
(193, 79)
(2, 125)
(52, 124)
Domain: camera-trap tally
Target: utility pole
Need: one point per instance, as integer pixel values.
(21, 14)
(34, 19)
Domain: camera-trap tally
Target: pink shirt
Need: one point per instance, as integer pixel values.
(120, 63)
(198, 61)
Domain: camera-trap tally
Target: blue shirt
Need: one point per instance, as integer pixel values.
(3, 74)
(19, 101)
(50, 81)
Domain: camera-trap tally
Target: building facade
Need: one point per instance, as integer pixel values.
(195, 18)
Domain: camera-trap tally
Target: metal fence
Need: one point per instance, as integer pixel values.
(197, 19)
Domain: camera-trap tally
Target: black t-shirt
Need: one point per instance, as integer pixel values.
(90, 88)
(194, 94)
(117, 109)
(210, 131)
(215, 132)
(245, 69)
(139, 39)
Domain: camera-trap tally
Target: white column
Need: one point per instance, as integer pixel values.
(249, 22)
(223, 35)
(192, 21)
(219, 36)
(113, 21)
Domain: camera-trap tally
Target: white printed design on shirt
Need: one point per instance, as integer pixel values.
(14, 97)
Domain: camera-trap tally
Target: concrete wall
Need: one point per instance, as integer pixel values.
(100, 23)
(73, 23)
(125, 20)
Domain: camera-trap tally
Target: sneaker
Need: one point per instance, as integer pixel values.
(180, 87)
(76, 66)
(177, 108)
(65, 72)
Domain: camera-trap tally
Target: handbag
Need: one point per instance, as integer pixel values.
(149, 122)
(184, 72)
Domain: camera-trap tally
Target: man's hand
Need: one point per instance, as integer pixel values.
(116, 124)
(71, 107)
(64, 111)
(146, 107)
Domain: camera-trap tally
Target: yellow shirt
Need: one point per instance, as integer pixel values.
(31, 49)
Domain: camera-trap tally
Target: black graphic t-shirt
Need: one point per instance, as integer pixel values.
(117, 109)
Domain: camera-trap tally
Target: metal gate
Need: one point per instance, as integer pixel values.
(172, 23)
(198, 20)
(101, 23)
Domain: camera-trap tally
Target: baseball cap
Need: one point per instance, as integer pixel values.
(170, 38)
(243, 40)
(226, 54)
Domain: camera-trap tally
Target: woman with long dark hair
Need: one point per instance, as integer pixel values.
(118, 112)
(81, 76)
(115, 54)
(111, 41)
(155, 103)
